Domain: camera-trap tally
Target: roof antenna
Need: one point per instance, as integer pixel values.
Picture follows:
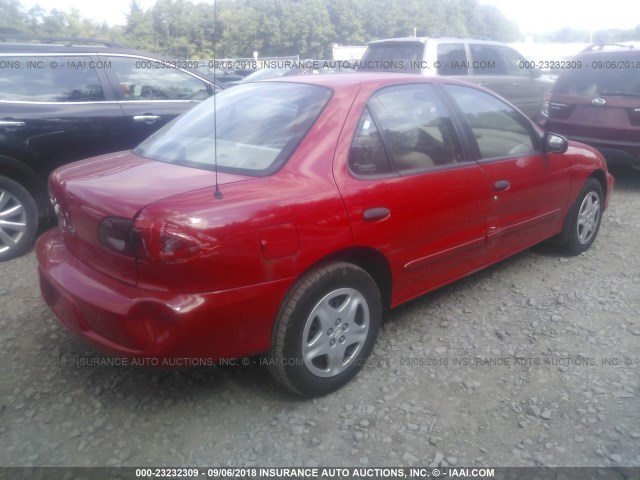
(217, 193)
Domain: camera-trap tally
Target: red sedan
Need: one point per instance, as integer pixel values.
(285, 223)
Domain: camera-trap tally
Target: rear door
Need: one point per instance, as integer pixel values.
(408, 190)
(54, 109)
(151, 93)
(529, 189)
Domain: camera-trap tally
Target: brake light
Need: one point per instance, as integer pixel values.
(165, 241)
(115, 234)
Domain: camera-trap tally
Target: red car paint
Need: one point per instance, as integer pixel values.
(267, 231)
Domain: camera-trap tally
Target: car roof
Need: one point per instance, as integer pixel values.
(611, 52)
(43, 45)
(56, 48)
(369, 79)
(447, 39)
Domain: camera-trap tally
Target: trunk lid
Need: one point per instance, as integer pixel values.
(117, 185)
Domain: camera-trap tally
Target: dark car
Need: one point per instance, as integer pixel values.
(66, 99)
(317, 202)
(490, 64)
(598, 103)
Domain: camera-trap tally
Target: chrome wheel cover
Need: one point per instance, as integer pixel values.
(13, 221)
(588, 218)
(335, 332)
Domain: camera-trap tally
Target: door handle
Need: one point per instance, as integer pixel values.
(376, 213)
(148, 119)
(502, 185)
(11, 123)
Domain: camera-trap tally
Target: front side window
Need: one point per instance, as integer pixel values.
(499, 130)
(49, 79)
(407, 128)
(143, 79)
(513, 61)
(486, 60)
(259, 125)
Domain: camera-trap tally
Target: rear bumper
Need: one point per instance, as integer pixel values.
(131, 322)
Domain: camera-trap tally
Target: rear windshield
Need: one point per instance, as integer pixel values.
(602, 75)
(258, 127)
(392, 57)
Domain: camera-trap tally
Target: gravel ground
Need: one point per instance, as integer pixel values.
(534, 361)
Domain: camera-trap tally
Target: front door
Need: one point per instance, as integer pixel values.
(528, 189)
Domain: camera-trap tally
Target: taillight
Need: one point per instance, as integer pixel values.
(168, 242)
(115, 234)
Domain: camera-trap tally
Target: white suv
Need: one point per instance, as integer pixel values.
(493, 65)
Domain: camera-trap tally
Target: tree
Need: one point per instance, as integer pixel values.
(138, 30)
(12, 18)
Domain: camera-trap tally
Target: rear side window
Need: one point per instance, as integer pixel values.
(452, 58)
(406, 127)
(393, 57)
(49, 79)
(367, 155)
(602, 75)
(499, 130)
(142, 79)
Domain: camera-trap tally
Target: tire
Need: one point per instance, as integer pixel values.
(325, 330)
(18, 219)
(584, 218)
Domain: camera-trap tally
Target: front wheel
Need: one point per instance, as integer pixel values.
(325, 330)
(585, 217)
(18, 219)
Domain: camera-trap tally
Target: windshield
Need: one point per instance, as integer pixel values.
(259, 126)
(618, 78)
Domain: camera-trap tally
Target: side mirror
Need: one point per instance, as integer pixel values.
(555, 143)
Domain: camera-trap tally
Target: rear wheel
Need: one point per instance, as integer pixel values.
(585, 217)
(18, 219)
(325, 330)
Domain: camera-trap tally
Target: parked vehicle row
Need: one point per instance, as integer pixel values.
(595, 99)
(63, 100)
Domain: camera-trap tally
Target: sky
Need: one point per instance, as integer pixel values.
(538, 16)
